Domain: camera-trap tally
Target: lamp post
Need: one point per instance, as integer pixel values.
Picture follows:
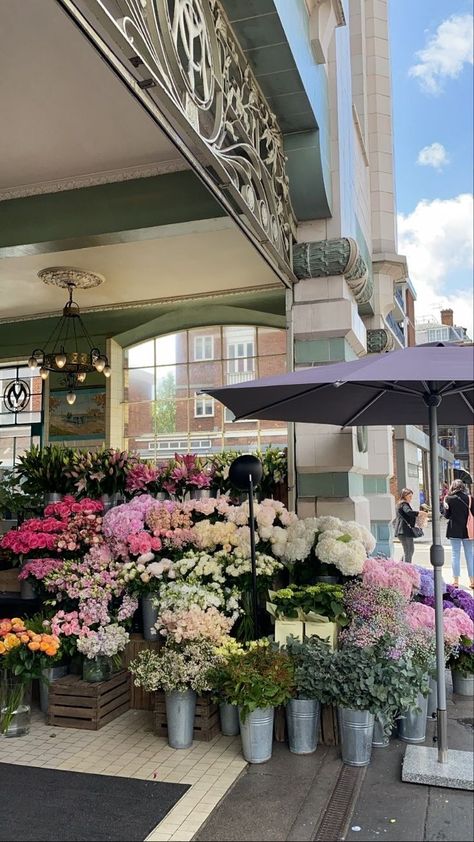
(245, 473)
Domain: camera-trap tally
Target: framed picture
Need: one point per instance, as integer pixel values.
(84, 420)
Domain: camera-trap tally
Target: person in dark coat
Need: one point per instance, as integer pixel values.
(457, 505)
(404, 523)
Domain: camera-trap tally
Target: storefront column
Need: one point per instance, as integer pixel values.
(114, 396)
(330, 463)
(377, 486)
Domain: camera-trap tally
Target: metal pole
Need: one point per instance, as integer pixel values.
(437, 560)
(253, 559)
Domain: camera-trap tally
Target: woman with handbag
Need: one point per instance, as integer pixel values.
(406, 529)
(459, 510)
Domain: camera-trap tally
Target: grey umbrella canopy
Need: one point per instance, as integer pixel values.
(377, 389)
(427, 384)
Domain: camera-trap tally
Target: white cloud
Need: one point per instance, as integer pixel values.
(437, 239)
(445, 53)
(433, 156)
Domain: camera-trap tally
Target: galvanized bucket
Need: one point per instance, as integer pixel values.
(356, 729)
(27, 590)
(49, 675)
(229, 716)
(180, 713)
(150, 616)
(200, 494)
(257, 735)
(379, 739)
(302, 719)
(52, 497)
(412, 726)
(463, 685)
(432, 705)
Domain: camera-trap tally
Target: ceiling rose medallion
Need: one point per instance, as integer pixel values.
(69, 348)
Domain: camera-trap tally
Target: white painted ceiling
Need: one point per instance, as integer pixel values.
(63, 112)
(194, 258)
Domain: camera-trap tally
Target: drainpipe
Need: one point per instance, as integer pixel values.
(290, 360)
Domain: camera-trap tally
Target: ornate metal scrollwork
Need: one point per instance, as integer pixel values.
(380, 339)
(192, 55)
(334, 257)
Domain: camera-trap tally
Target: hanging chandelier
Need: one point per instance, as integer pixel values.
(69, 349)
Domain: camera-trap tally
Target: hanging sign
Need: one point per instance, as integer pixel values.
(16, 396)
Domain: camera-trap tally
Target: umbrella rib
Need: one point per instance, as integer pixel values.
(467, 402)
(285, 400)
(447, 387)
(467, 387)
(370, 403)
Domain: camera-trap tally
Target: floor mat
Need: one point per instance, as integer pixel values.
(50, 804)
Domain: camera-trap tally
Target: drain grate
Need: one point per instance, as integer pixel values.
(333, 824)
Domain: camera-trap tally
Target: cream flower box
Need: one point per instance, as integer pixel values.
(325, 631)
(285, 628)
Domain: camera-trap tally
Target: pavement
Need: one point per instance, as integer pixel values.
(422, 555)
(288, 798)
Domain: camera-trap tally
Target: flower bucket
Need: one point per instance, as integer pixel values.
(463, 685)
(285, 628)
(49, 675)
(302, 719)
(180, 713)
(27, 590)
(229, 716)
(328, 580)
(15, 710)
(325, 631)
(52, 497)
(257, 735)
(379, 739)
(109, 501)
(200, 494)
(356, 729)
(150, 616)
(96, 669)
(161, 496)
(432, 699)
(411, 725)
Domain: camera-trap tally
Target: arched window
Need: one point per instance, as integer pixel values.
(164, 412)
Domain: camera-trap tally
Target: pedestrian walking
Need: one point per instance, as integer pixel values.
(459, 510)
(406, 529)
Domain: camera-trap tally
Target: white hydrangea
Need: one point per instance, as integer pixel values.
(347, 556)
(325, 522)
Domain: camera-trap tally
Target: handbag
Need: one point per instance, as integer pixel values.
(417, 531)
(470, 520)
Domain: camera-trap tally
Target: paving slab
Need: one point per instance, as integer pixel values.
(421, 766)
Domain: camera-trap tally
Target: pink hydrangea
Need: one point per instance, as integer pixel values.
(387, 573)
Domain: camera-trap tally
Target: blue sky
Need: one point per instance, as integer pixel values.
(431, 50)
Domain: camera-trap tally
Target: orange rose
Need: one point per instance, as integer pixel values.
(24, 638)
(51, 651)
(3, 648)
(43, 645)
(11, 641)
(5, 626)
(34, 646)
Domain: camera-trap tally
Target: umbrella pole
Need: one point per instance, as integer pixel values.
(437, 560)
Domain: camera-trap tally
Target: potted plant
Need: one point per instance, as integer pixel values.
(102, 649)
(182, 673)
(23, 654)
(285, 608)
(257, 679)
(353, 684)
(311, 663)
(146, 478)
(228, 712)
(45, 471)
(188, 475)
(102, 473)
(401, 681)
(461, 660)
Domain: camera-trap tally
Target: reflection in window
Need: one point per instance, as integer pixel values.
(165, 410)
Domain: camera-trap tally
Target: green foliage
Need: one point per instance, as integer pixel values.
(164, 408)
(275, 470)
(311, 661)
(13, 498)
(259, 676)
(359, 679)
(464, 663)
(322, 598)
(44, 470)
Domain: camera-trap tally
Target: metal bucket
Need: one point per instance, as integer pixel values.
(200, 494)
(180, 713)
(356, 729)
(432, 704)
(257, 735)
(27, 590)
(412, 726)
(463, 685)
(302, 719)
(379, 739)
(229, 716)
(110, 500)
(161, 496)
(150, 616)
(52, 497)
(49, 675)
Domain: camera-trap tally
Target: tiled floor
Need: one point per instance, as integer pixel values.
(129, 748)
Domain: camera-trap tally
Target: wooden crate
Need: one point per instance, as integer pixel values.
(74, 703)
(139, 699)
(206, 721)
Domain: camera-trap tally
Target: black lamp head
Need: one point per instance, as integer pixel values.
(242, 469)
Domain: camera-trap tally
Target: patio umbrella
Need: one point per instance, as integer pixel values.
(427, 384)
